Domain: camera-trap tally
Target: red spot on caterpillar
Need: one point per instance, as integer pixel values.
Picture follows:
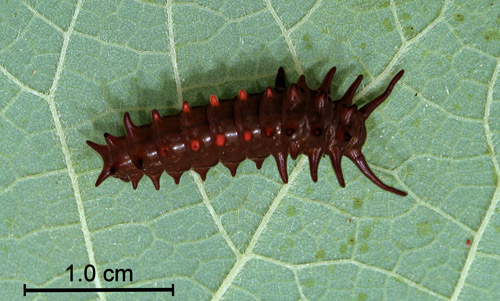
(297, 120)
(220, 140)
(269, 92)
(156, 116)
(164, 151)
(185, 107)
(247, 136)
(268, 131)
(214, 101)
(242, 95)
(194, 144)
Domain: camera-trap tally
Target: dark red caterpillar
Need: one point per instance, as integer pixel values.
(278, 121)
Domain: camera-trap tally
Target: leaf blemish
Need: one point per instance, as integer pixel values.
(363, 248)
(459, 17)
(320, 254)
(366, 231)
(357, 203)
(291, 211)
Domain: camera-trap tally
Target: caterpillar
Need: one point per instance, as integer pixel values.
(279, 121)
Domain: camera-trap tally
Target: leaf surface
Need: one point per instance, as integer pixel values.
(69, 70)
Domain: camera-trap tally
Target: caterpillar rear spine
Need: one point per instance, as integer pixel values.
(279, 121)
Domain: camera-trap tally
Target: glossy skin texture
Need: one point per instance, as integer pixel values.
(279, 121)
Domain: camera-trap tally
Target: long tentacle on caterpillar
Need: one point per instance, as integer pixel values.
(279, 121)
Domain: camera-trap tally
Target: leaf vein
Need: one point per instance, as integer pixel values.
(43, 18)
(248, 254)
(496, 196)
(66, 152)
(173, 54)
(211, 210)
(286, 36)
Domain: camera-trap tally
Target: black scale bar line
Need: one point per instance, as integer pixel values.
(97, 290)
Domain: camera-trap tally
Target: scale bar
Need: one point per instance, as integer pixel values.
(97, 290)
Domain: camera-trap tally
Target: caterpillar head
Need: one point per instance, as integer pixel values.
(348, 136)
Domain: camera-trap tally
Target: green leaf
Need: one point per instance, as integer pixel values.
(69, 70)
